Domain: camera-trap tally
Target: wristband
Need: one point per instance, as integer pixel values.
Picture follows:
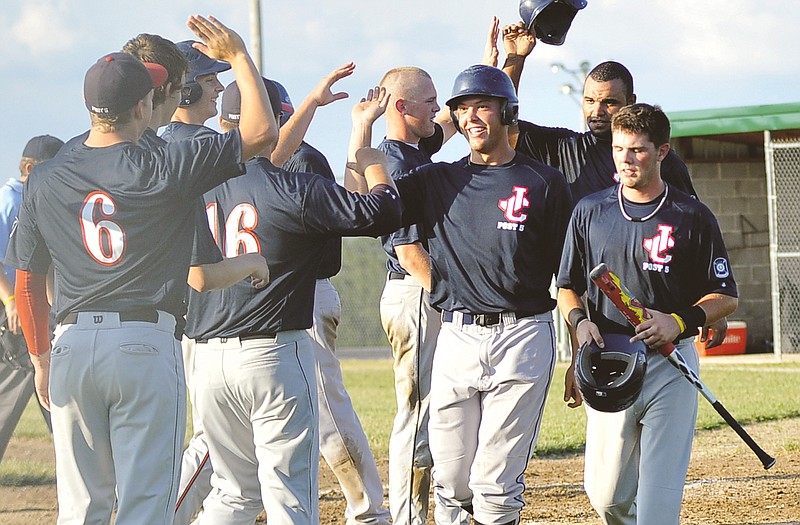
(576, 316)
(681, 324)
(693, 318)
(8, 300)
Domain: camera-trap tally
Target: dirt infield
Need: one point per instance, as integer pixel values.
(726, 484)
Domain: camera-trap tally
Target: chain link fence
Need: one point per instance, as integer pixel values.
(783, 174)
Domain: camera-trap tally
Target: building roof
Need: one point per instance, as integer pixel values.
(725, 121)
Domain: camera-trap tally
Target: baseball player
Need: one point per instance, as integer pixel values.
(667, 248)
(585, 157)
(188, 123)
(16, 378)
(342, 441)
(116, 220)
(254, 362)
(408, 98)
(495, 223)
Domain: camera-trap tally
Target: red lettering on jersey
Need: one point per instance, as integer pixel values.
(514, 204)
(658, 245)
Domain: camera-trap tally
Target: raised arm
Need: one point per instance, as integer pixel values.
(257, 126)
(518, 44)
(293, 132)
(364, 115)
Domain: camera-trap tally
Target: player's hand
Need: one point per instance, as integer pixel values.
(517, 40)
(490, 51)
(587, 331)
(366, 157)
(371, 107)
(259, 271)
(572, 395)
(41, 378)
(322, 94)
(657, 331)
(218, 41)
(714, 334)
(13, 317)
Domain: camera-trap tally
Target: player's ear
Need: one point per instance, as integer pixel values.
(632, 99)
(662, 151)
(400, 105)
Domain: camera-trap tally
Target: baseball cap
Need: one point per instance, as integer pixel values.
(287, 108)
(232, 101)
(43, 147)
(117, 81)
(199, 63)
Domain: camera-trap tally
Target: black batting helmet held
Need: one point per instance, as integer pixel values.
(610, 379)
(550, 19)
(199, 64)
(487, 81)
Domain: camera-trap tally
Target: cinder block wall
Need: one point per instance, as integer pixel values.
(731, 180)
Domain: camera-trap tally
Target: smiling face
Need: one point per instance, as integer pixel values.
(206, 107)
(480, 121)
(601, 101)
(420, 108)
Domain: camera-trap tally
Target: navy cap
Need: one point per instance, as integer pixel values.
(117, 81)
(287, 108)
(199, 63)
(43, 147)
(232, 101)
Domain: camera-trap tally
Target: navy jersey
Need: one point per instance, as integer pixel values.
(669, 260)
(117, 222)
(402, 159)
(308, 159)
(287, 217)
(586, 161)
(495, 232)
(204, 249)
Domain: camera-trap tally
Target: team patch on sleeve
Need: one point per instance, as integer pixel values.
(721, 270)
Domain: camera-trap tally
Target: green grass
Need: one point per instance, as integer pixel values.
(755, 392)
(751, 392)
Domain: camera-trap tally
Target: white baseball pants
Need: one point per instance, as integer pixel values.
(258, 402)
(636, 460)
(342, 441)
(118, 403)
(488, 392)
(411, 326)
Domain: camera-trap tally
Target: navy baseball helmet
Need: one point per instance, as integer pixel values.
(199, 64)
(550, 19)
(486, 81)
(610, 379)
(287, 108)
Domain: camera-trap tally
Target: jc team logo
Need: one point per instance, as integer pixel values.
(657, 248)
(512, 209)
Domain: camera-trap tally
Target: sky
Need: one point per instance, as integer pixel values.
(684, 54)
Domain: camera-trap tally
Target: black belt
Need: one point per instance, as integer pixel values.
(264, 335)
(397, 275)
(146, 316)
(480, 319)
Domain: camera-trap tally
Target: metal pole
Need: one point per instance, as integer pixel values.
(773, 245)
(255, 32)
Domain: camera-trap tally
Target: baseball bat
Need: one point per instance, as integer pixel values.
(191, 482)
(636, 313)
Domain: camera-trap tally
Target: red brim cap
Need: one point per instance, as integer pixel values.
(157, 72)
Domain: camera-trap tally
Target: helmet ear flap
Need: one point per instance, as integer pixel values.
(191, 93)
(510, 113)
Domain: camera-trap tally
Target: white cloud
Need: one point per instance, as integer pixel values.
(41, 28)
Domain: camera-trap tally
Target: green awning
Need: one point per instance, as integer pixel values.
(744, 119)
